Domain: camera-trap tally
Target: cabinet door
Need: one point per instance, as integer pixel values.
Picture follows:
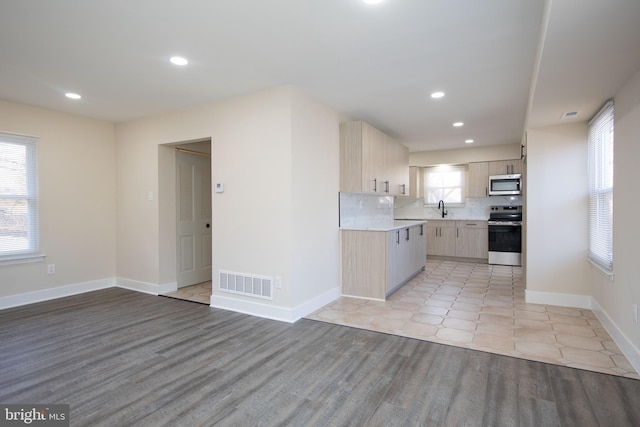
(374, 159)
(418, 248)
(398, 168)
(395, 258)
(478, 179)
(416, 180)
(472, 241)
(441, 238)
(505, 167)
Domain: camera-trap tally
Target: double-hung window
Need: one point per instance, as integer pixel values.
(444, 183)
(601, 189)
(18, 199)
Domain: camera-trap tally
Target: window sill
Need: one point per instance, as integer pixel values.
(21, 259)
(608, 274)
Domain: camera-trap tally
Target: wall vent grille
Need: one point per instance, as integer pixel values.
(246, 284)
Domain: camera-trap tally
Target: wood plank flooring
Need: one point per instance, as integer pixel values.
(121, 358)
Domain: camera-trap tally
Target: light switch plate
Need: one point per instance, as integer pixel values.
(219, 187)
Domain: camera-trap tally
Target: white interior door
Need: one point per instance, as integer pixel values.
(194, 253)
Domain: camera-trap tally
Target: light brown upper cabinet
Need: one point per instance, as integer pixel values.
(478, 179)
(372, 162)
(505, 167)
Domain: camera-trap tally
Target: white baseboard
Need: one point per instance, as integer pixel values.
(316, 303)
(147, 288)
(252, 308)
(282, 314)
(53, 293)
(552, 298)
(631, 352)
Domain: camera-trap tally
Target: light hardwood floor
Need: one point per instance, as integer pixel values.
(121, 358)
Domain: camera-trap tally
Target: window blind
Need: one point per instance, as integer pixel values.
(19, 233)
(601, 188)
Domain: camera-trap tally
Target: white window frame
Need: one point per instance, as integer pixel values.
(32, 252)
(601, 184)
(440, 169)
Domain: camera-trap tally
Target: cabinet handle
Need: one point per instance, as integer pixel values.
(404, 189)
(397, 237)
(407, 238)
(386, 186)
(375, 185)
(472, 225)
(422, 230)
(457, 232)
(486, 191)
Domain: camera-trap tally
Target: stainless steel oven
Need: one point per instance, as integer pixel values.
(505, 235)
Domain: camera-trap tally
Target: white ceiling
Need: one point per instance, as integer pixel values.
(376, 63)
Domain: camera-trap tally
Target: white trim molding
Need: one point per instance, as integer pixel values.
(145, 287)
(316, 303)
(267, 311)
(54, 293)
(631, 352)
(552, 298)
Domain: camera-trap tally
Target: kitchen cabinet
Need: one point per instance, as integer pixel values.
(478, 183)
(416, 182)
(398, 167)
(505, 167)
(376, 263)
(462, 239)
(371, 162)
(441, 237)
(472, 239)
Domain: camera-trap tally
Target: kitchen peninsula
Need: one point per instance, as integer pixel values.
(379, 257)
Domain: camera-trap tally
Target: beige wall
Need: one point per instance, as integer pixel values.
(556, 210)
(315, 186)
(616, 298)
(76, 166)
(270, 150)
(465, 155)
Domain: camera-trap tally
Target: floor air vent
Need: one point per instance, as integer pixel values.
(246, 284)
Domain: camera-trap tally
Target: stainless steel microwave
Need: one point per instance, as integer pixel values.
(505, 185)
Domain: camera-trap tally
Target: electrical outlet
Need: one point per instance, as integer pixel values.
(51, 269)
(278, 282)
(635, 313)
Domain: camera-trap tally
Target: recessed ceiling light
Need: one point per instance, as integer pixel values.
(72, 95)
(178, 60)
(372, 1)
(468, 141)
(458, 124)
(436, 95)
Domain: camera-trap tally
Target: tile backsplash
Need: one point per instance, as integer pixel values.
(473, 208)
(357, 209)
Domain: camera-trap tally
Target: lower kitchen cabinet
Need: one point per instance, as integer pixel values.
(441, 238)
(463, 239)
(376, 263)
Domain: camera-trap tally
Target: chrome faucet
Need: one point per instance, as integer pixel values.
(441, 202)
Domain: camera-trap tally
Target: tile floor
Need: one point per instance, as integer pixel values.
(197, 293)
(482, 307)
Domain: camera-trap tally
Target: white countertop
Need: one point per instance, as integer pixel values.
(384, 226)
(445, 219)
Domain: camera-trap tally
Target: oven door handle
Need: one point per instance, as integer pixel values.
(513, 223)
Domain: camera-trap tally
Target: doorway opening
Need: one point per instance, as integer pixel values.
(193, 222)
